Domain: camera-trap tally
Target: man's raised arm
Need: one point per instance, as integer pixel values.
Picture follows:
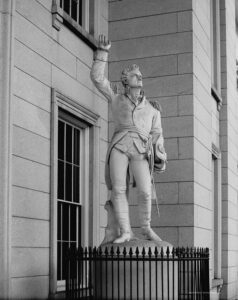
(98, 68)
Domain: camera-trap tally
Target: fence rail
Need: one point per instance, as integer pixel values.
(121, 273)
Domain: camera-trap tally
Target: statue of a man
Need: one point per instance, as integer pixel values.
(137, 143)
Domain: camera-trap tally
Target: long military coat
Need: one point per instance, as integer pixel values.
(126, 115)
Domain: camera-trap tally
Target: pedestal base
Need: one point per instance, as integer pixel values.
(130, 274)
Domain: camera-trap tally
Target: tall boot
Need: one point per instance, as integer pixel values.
(122, 215)
(145, 218)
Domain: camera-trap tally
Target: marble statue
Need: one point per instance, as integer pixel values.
(137, 144)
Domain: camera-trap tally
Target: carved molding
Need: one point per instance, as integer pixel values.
(57, 21)
(216, 151)
(60, 17)
(217, 97)
(75, 107)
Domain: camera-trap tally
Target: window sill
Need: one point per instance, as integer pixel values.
(216, 151)
(60, 17)
(60, 295)
(216, 95)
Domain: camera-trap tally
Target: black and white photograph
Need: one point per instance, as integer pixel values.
(119, 149)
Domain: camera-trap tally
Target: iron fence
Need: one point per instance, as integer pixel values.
(121, 273)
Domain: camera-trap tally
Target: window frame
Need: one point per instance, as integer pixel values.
(92, 136)
(217, 211)
(88, 31)
(215, 43)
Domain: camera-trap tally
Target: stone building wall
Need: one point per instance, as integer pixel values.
(171, 42)
(205, 106)
(44, 58)
(207, 196)
(229, 147)
(158, 37)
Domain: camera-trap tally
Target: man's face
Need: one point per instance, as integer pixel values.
(134, 79)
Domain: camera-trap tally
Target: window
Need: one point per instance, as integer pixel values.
(79, 15)
(79, 11)
(215, 51)
(74, 182)
(69, 196)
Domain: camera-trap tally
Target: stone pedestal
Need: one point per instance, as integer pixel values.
(136, 276)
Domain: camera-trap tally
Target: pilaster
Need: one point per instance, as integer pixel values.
(6, 39)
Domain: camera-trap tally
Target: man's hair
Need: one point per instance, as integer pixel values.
(126, 71)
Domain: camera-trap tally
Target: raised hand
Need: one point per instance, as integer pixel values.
(103, 43)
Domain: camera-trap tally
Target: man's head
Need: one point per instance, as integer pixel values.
(131, 77)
